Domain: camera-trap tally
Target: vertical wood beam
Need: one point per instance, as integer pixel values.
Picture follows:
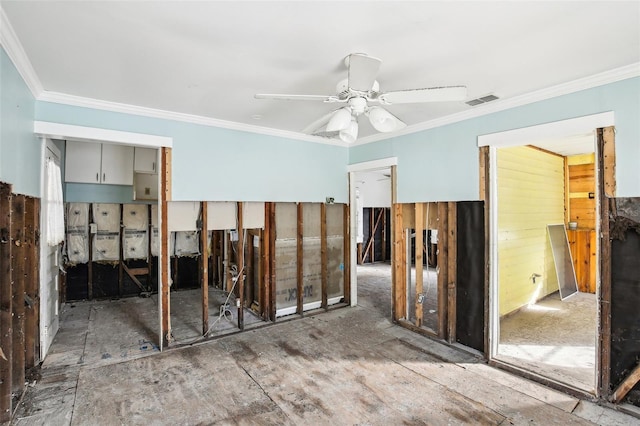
(241, 271)
(419, 227)
(384, 234)
(149, 256)
(486, 196)
(266, 264)
(346, 252)
(6, 326)
(18, 290)
(609, 161)
(32, 218)
(372, 233)
(323, 256)
(299, 261)
(204, 267)
(604, 341)
(399, 284)
(272, 262)
(165, 196)
(90, 261)
(567, 202)
(452, 263)
(121, 253)
(442, 254)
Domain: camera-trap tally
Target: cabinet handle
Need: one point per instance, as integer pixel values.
(97, 177)
(104, 177)
(153, 166)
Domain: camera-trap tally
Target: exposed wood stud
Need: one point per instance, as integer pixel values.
(6, 326)
(443, 249)
(347, 254)
(265, 286)
(299, 261)
(371, 244)
(567, 203)
(384, 235)
(608, 156)
(241, 266)
(419, 227)
(272, 262)
(18, 260)
(399, 282)
(149, 256)
(90, 261)
(604, 342)
(626, 385)
(204, 267)
(32, 223)
(121, 254)
(452, 263)
(485, 196)
(323, 256)
(165, 196)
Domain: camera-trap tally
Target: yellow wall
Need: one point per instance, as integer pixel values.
(530, 197)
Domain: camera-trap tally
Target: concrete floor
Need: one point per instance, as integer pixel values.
(343, 367)
(554, 338)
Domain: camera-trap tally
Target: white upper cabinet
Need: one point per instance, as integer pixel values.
(145, 160)
(88, 162)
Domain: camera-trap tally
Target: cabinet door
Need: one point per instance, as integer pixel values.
(145, 160)
(82, 162)
(117, 164)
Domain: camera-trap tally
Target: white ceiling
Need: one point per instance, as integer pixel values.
(209, 58)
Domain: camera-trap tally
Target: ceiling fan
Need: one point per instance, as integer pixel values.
(357, 92)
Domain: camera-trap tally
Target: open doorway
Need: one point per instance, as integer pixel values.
(542, 328)
(550, 157)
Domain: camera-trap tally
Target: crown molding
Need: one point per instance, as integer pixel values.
(9, 40)
(63, 98)
(600, 79)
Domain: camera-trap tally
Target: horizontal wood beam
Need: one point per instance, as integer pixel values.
(626, 385)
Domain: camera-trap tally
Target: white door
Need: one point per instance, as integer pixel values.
(49, 264)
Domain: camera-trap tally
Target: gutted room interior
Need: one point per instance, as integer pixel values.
(181, 208)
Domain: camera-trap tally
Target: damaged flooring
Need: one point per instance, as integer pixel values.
(343, 367)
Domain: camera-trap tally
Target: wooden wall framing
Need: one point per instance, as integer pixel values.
(19, 301)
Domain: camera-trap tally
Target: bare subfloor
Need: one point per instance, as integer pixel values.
(343, 367)
(554, 338)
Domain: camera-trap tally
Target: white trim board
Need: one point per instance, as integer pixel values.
(383, 163)
(94, 134)
(554, 130)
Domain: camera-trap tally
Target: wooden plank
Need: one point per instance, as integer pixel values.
(272, 263)
(609, 161)
(627, 384)
(90, 261)
(593, 262)
(372, 233)
(419, 260)
(567, 180)
(265, 298)
(121, 255)
(346, 253)
(261, 273)
(299, 261)
(133, 277)
(241, 266)
(165, 196)
(204, 267)
(323, 255)
(399, 284)
(149, 255)
(384, 234)
(32, 335)
(486, 197)
(443, 248)
(6, 326)
(452, 264)
(18, 291)
(138, 271)
(604, 341)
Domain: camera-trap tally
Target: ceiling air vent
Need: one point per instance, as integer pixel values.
(482, 100)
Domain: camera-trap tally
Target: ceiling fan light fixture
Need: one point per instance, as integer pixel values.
(382, 120)
(350, 134)
(340, 120)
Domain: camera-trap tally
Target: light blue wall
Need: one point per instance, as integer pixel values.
(20, 150)
(217, 164)
(441, 164)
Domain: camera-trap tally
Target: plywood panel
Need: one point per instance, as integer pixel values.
(530, 196)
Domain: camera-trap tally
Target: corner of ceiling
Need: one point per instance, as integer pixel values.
(11, 44)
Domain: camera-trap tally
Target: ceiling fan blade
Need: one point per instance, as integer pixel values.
(278, 97)
(433, 94)
(320, 122)
(330, 135)
(362, 71)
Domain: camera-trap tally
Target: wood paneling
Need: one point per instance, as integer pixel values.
(6, 328)
(582, 243)
(530, 196)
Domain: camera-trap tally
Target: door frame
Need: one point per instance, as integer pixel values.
(525, 136)
(352, 169)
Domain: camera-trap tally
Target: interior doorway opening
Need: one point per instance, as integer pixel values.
(540, 329)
